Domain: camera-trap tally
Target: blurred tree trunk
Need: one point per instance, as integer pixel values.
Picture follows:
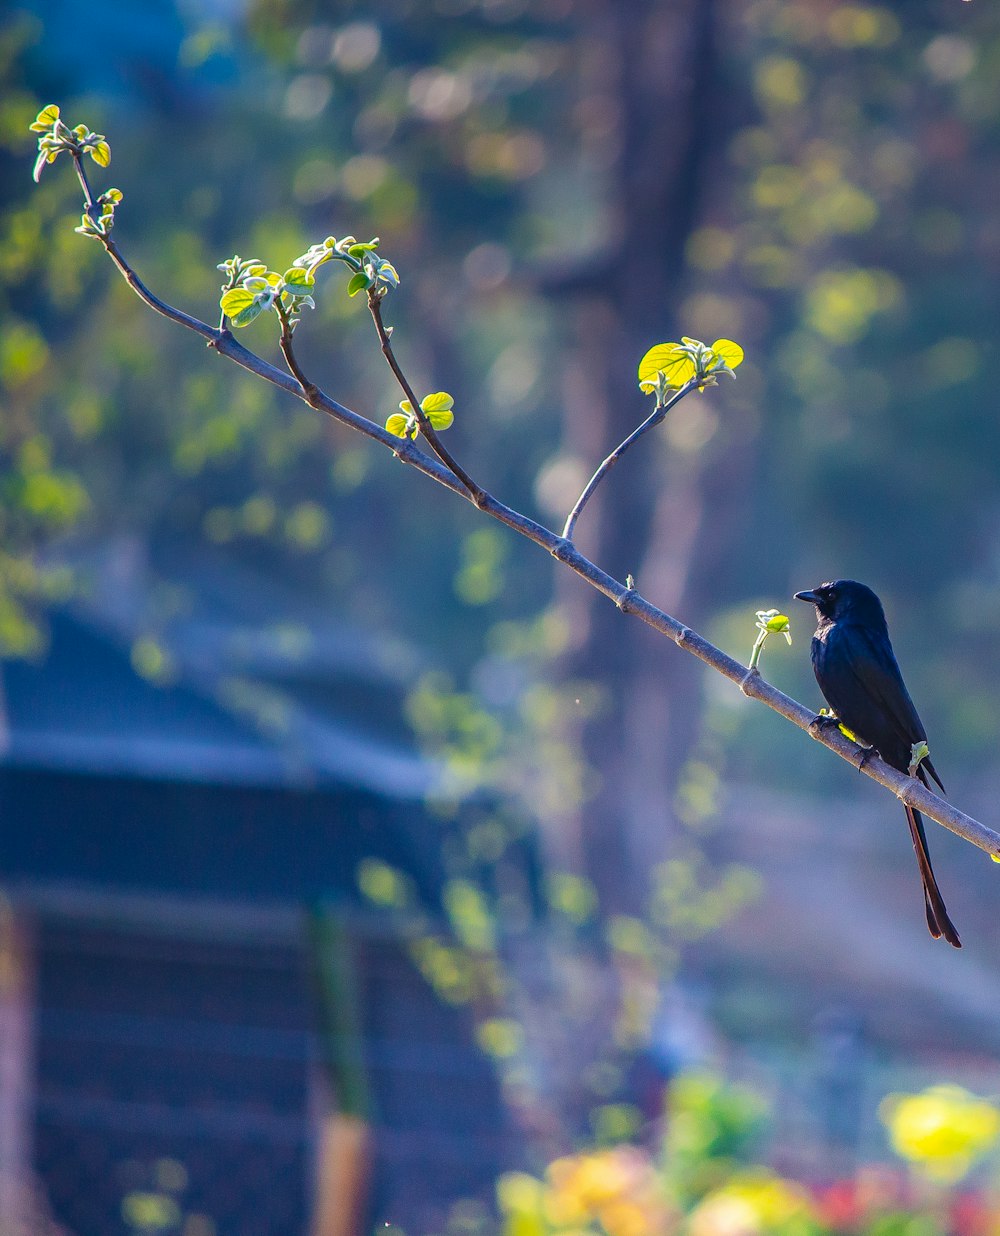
(654, 68)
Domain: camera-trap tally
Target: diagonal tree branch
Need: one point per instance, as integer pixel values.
(445, 472)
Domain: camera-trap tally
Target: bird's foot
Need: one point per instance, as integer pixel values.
(867, 753)
(822, 721)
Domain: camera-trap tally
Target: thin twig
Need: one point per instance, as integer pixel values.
(309, 389)
(908, 789)
(476, 492)
(168, 311)
(652, 420)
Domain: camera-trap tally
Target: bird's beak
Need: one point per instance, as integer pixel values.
(811, 597)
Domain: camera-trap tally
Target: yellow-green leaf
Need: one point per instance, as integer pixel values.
(399, 425)
(235, 301)
(728, 351)
(669, 359)
(100, 152)
(406, 406)
(358, 283)
(441, 420)
(241, 306)
(440, 401)
(46, 118)
(297, 280)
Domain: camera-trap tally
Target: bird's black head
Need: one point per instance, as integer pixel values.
(845, 600)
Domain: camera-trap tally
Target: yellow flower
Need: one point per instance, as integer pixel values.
(619, 1189)
(754, 1203)
(520, 1198)
(942, 1130)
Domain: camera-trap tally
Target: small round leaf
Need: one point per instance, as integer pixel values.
(45, 119)
(241, 306)
(359, 283)
(728, 351)
(441, 420)
(669, 359)
(440, 401)
(298, 280)
(399, 425)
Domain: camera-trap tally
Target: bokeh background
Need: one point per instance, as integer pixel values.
(354, 856)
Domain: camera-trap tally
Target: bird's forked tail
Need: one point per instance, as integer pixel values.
(938, 922)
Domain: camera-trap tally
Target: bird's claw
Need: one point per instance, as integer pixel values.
(867, 753)
(822, 721)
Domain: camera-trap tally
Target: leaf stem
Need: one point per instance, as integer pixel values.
(478, 495)
(649, 423)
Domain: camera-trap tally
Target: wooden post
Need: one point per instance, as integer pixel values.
(344, 1151)
(17, 992)
(342, 1168)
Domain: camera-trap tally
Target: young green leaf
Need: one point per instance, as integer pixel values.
(100, 152)
(726, 350)
(670, 359)
(359, 283)
(438, 409)
(401, 425)
(45, 119)
(241, 306)
(440, 401)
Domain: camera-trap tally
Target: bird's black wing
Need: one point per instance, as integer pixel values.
(871, 662)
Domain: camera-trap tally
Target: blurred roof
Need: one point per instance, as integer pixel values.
(245, 685)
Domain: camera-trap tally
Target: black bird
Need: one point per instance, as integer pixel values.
(857, 672)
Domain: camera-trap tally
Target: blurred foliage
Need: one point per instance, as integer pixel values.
(575, 1072)
(706, 1181)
